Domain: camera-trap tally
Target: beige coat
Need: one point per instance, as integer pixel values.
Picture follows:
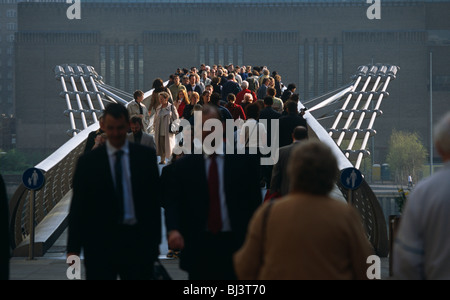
(167, 119)
(133, 111)
(306, 238)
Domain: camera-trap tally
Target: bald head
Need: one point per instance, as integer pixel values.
(300, 133)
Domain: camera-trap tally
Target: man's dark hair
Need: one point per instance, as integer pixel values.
(137, 120)
(268, 101)
(291, 86)
(231, 97)
(252, 111)
(295, 98)
(300, 133)
(138, 94)
(117, 111)
(215, 99)
(271, 92)
(292, 107)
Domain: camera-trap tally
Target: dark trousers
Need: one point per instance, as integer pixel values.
(127, 261)
(216, 260)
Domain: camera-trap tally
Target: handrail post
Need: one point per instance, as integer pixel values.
(32, 226)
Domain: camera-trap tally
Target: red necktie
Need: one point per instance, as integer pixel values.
(214, 216)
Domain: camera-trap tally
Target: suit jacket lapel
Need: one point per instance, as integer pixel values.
(104, 159)
(134, 170)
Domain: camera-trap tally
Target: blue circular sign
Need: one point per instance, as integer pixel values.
(351, 178)
(33, 179)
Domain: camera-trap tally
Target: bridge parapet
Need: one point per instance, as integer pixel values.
(86, 96)
(50, 219)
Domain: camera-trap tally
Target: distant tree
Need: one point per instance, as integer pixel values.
(13, 161)
(406, 156)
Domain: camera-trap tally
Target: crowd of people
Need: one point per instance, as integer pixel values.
(216, 220)
(242, 93)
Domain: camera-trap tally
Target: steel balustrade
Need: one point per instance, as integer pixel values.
(59, 167)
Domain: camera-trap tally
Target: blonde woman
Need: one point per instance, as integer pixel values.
(187, 113)
(182, 101)
(164, 116)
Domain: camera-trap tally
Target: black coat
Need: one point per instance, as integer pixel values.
(269, 114)
(93, 213)
(187, 206)
(287, 125)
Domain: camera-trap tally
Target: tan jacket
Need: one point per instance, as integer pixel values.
(168, 115)
(307, 238)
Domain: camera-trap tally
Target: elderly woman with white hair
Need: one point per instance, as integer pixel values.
(422, 246)
(245, 90)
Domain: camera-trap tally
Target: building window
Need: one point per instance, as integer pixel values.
(212, 58)
(320, 70)
(221, 55)
(311, 72)
(103, 61)
(330, 67)
(11, 13)
(141, 66)
(230, 54)
(301, 67)
(11, 26)
(131, 58)
(122, 67)
(112, 65)
(240, 55)
(202, 54)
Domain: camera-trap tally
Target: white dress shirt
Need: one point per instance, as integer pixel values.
(128, 205)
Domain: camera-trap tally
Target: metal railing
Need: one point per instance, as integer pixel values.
(58, 170)
(373, 77)
(59, 167)
(80, 85)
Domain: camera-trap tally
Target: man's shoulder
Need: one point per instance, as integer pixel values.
(148, 136)
(92, 156)
(141, 150)
(131, 103)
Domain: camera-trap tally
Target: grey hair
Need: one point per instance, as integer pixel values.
(244, 85)
(442, 134)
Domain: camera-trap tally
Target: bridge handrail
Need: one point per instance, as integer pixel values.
(58, 169)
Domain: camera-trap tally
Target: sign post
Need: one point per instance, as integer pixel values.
(34, 180)
(351, 179)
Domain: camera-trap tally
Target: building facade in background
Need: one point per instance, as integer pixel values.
(317, 45)
(8, 28)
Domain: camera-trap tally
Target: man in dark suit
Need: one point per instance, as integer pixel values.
(91, 140)
(230, 87)
(280, 182)
(268, 114)
(137, 134)
(115, 212)
(4, 233)
(288, 92)
(208, 213)
(289, 122)
(192, 86)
